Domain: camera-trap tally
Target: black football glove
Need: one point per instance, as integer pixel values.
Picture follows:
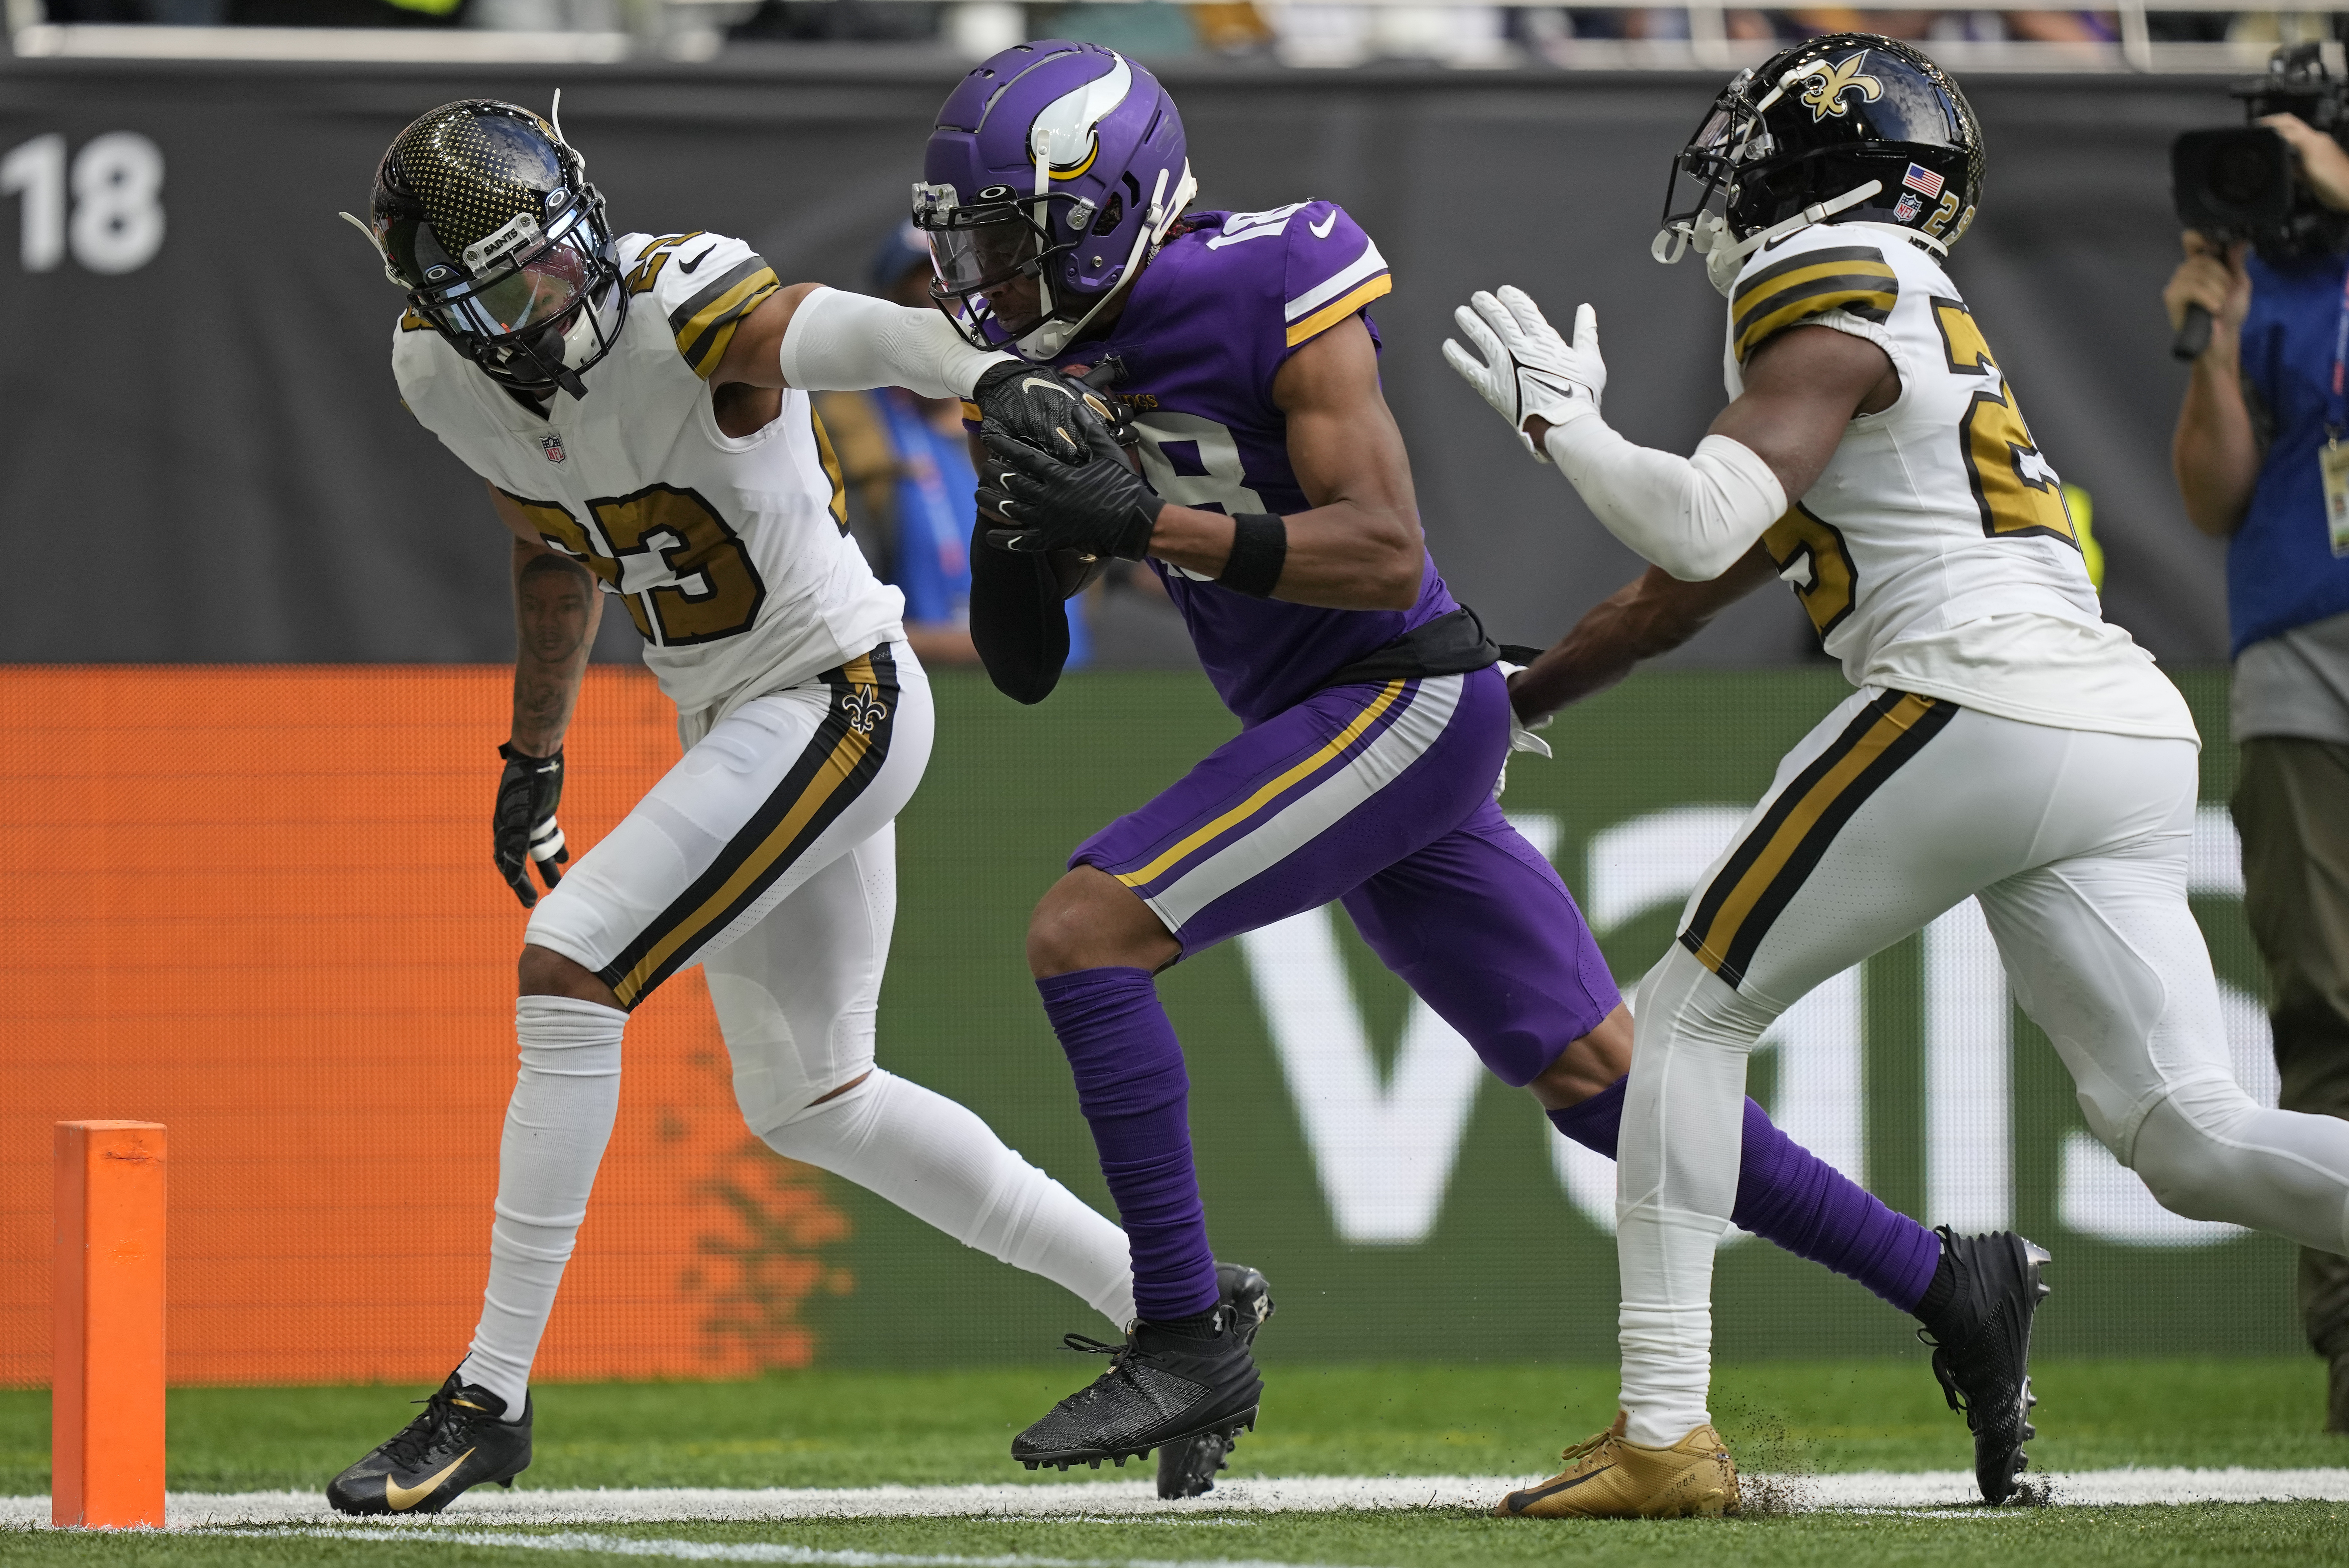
(1100, 507)
(1038, 406)
(523, 828)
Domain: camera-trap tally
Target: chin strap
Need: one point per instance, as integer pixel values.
(1049, 339)
(1723, 258)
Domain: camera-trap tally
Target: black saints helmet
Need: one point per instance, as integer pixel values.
(483, 214)
(1853, 126)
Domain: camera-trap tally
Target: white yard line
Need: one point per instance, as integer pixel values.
(1104, 1502)
(752, 1550)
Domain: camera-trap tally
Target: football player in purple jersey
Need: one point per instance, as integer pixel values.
(1275, 501)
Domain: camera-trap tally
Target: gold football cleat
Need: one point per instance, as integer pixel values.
(1610, 1477)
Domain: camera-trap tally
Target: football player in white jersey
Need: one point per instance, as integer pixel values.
(638, 406)
(2005, 743)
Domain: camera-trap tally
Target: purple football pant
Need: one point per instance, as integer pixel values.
(1379, 797)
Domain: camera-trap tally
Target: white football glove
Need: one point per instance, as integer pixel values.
(1527, 370)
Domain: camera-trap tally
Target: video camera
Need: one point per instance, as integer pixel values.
(2243, 184)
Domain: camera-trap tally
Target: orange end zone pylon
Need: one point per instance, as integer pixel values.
(105, 1382)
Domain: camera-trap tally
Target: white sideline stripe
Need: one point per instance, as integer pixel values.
(745, 1552)
(1101, 1500)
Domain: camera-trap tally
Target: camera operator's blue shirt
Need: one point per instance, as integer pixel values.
(2281, 570)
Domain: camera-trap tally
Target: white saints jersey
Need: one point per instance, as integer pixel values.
(731, 555)
(1935, 553)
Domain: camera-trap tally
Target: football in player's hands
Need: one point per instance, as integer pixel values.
(1101, 508)
(1043, 410)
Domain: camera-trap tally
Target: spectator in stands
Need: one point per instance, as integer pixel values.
(910, 480)
(2258, 462)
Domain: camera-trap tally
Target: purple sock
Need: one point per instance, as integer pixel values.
(1788, 1195)
(1132, 1089)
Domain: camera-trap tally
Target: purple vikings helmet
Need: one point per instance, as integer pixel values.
(1058, 161)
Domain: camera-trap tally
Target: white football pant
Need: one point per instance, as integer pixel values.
(1893, 809)
(768, 855)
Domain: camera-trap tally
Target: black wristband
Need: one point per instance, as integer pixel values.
(1259, 550)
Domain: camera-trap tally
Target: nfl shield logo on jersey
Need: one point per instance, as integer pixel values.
(552, 445)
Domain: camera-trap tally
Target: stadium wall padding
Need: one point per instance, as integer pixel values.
(207, 462)
(257, 905)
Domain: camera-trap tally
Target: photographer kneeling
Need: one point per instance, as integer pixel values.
(2261, 454)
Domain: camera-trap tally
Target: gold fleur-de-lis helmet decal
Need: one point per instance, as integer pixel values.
(1828, 84)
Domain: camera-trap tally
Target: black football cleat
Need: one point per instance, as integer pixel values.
(1161, 1387)
(1984, 1361)
(458, 1442)
(1188, 1468)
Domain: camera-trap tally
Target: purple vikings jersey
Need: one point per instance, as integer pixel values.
(1210, 322)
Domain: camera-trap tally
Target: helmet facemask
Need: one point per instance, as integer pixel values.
(998, 239)
(514, 301)
(536, 300)
(1055, 170)
(1706, 171)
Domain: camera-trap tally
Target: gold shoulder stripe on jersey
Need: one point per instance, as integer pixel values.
(1771, 862)
(839, 763)
(831, 461)
(1339, 309)
(1855, 278)
(704, 324)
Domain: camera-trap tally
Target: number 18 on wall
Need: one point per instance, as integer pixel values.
(105, 204)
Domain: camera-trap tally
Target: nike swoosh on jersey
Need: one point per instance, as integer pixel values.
(1521, 1501)
(688, 266)
(399, 1499)
(1321, 230)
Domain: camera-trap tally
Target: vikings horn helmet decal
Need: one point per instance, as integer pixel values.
(1054, 169)
(482, 212)
(1851, 125)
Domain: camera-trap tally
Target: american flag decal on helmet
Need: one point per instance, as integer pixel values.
(1920, 178)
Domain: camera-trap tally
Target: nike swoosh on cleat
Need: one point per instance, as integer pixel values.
(400, 1499)
(1321, 230)
(1521, 1501)
(689, 266)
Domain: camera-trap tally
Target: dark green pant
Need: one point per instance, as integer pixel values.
(2292, 811)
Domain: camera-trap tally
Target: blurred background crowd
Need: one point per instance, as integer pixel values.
(1304, 35)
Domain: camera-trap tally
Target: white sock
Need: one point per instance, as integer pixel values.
(1676, 1182)
(565, 1098)
(940, 1163)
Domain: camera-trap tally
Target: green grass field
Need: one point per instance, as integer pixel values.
(846, 1428)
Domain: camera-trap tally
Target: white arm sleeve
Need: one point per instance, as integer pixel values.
(1694, 517)
(841, 342)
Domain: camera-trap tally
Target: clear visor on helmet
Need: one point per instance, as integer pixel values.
(985, 244)
(525, 291)
(983, 255)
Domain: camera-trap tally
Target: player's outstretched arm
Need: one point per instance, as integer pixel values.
(1651, 614)
(1695, 516)
(556, 609)
(823, 339)
(1360, 546)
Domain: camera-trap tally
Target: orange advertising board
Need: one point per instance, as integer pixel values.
(257, 905)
